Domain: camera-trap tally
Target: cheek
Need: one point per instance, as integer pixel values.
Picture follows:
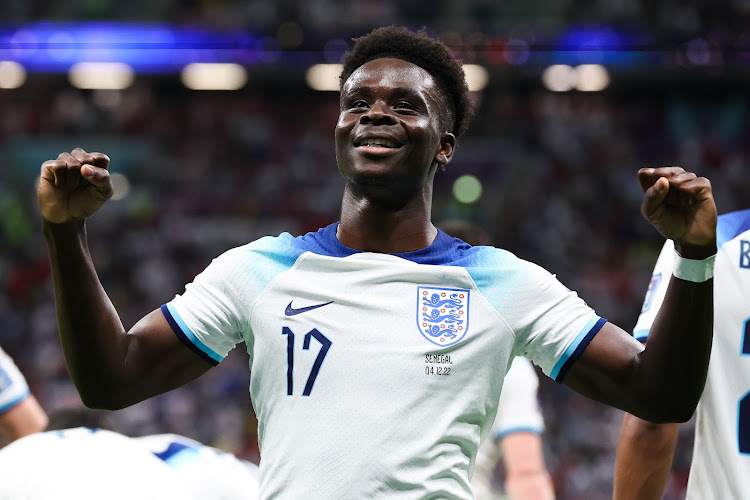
(425, 125)
(343, 125)
(423, 131)
(341, 138)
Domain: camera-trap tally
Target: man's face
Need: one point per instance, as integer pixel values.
(389, 132)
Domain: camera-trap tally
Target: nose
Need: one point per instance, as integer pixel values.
(378, 114)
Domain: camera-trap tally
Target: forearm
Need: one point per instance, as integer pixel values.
(526, 473)
(671, 371)
(644, 459)
(27, 417)
(536, 485)
(91, 333)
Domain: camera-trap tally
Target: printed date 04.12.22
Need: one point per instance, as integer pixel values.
(437, 370)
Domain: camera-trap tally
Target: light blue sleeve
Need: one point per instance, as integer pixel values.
(212, 316)
(13, 386)
(551, 323)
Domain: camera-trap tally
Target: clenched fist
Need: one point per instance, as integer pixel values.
(681, 206)
(74, 186)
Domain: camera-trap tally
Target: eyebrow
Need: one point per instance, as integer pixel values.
(398, 91)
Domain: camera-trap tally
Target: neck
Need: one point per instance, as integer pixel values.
(376, 227)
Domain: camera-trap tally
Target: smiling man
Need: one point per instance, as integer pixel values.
(379, 344)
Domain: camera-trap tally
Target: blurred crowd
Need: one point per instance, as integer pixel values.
(725, 21)
(199, 173)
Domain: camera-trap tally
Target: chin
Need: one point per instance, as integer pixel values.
(384, 188)
(372, 178)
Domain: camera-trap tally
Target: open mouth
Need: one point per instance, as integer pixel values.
(377, 143)
(377, 146)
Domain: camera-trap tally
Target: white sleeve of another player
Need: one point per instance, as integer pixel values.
(657, 289)
(519, 409)
(13, 386)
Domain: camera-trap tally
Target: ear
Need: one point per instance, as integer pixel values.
(447, 146)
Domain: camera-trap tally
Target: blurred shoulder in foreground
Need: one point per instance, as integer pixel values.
(80, 456)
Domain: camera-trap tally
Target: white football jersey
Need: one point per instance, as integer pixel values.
(518, 411)
(210, 473)
(85, 464)
(13, 387)
(377, 375)
(721, 455)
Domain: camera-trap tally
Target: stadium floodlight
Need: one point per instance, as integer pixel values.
(591, 77)
(324, 77)
(101, 75)
(214, 76)
(560, 78)
(477, 76)
(12, 75)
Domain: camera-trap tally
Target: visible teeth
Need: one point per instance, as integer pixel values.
(388, 143)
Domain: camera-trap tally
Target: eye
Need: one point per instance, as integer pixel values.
(357, 104)
(404, 105)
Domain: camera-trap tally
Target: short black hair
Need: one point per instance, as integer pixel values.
(428, 53)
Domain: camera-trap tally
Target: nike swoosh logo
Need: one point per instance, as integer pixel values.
(290, 311)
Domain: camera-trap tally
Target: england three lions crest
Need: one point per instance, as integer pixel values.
(442, 314)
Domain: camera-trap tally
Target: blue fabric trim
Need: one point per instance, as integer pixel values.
(173, 449)
(13, 402)
(731, 225)
(177, 454)
(187, 337)
(575, 349)
(641, 335)
(534, 430)
(445, 250)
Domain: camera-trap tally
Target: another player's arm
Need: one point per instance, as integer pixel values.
(526, 476)
(645, 450)
(111, 367)
(663, 382)
(644, 459)
(26, 417)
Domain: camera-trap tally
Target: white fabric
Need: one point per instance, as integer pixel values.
(719, 469)
(209, 473)
(518, 411)
(392, 413)
(85, 464)
(13, 387)
(693, 270)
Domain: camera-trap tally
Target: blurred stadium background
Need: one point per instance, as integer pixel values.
(573, 98)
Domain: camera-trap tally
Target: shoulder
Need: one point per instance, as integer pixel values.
(731, 225)
(285, 249)
(456, 252)
(493, 263)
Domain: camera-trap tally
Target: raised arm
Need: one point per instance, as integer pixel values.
(663, 382)
(111, 367)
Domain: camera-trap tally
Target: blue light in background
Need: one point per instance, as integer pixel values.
(52, 47)
(600, 44)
